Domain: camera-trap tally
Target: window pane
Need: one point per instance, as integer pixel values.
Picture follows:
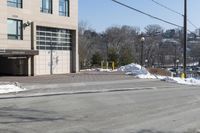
(67, 7)
(14, 29)
(64, 7)
(56, 39)
(19, 31)
(15, 3)
(46, 6)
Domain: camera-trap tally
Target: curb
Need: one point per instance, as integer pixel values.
(76, 92)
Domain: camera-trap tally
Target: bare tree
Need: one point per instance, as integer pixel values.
(88, 44)
(120, 40)
(122, 44)
(152, 41)
(194, 52)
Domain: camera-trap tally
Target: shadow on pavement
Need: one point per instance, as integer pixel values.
(154, 131)
(10, 115)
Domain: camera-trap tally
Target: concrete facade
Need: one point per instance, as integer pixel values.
(65, 61)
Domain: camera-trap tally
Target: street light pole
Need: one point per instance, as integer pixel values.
(175, 54)
(177, 70)
(142, 49)
(185, 39)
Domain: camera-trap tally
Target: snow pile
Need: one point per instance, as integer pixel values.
(187, 81)
(136, 70)
(142, 73)
(7, 88)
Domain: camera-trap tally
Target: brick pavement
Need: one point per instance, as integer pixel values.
(67, 78)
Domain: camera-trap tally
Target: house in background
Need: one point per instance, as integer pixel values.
(38, 37)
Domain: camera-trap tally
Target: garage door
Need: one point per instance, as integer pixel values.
(60, 63)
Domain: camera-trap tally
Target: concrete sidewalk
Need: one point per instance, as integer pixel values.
(90, 82)
(65, 80)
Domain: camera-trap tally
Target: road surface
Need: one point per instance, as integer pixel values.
(155, 107)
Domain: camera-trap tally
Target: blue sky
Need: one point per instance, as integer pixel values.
(100, 14)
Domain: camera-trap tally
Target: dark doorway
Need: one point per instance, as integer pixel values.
(13, 66)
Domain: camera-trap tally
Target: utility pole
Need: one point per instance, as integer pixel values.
(185, 39)
(51, 56)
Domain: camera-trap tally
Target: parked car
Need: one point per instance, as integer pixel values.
(197, 70)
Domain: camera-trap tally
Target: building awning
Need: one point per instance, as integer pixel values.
(14, 52)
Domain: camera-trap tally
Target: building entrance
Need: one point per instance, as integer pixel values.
(14, 66)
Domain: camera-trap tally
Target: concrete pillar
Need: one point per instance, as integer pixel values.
(32, 66)
(29, 66)
(31, 70)
(33, 36)
(33, 47)
(75, 54)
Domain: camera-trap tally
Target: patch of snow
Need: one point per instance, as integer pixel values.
(142, 73)
(8, 88)
(104, 70)
(97, 70)
(88, 70)
(187, 81)
(160, 77)
(147, 76)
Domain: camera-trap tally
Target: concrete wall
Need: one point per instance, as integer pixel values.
(31, 11)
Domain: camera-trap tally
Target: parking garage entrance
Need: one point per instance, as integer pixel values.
(17, 62)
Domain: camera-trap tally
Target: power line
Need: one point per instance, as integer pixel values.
(192, 24)
(149, 15)
(166, 7)
(174, 12)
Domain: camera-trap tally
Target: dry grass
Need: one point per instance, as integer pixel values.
(159, 71)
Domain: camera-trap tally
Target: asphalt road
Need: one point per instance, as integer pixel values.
(156, 107)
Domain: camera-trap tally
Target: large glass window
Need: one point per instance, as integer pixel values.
(46, 6)
(15, 3)
(64, 7)
(53, 39)
(14, 29)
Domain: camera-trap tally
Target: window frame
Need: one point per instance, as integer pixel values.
(17, 4)
(19, 34)
(44, 10)
(66, 12)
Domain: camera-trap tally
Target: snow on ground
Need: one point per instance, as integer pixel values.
(187, 81)
(104, 70)
(8, 88)
(142, 73)
(97, 69)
